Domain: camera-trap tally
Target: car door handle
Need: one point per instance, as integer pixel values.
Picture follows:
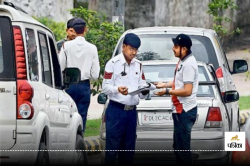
(47, 96)
(60, 100)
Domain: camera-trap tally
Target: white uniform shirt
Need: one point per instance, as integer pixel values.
(113, 79)
(80, 54)
(186, 72)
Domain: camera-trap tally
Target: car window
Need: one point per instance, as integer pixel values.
(159, 47)
(46, 68)
(1, 54)
(165, 72)
(55, 63)
(159, 73)
(32, 55)
(220, 48)
(7, 67)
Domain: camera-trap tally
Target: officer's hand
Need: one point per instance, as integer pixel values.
(160, 84)
(160, 93)
(123, 90)
(144, 92)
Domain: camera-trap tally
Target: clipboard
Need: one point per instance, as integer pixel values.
(149, 86)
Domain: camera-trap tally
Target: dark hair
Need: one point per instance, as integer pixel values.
(70, 23)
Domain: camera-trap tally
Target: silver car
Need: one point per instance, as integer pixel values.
(155, 125)
(156, 44)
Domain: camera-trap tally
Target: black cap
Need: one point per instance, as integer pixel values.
(132, 39)
(70, 23)
(79, 25)
(183, 40)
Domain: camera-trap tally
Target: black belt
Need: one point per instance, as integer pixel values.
(122, 106)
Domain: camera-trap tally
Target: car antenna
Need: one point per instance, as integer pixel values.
(14, 6)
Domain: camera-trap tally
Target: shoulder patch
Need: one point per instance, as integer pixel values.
(143, 76)
(108, 75)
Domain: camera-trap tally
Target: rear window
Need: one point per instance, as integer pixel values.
(7, 59)
(159, 47)
(165, 72)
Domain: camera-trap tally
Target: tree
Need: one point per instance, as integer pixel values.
(218, 9)
(101, 33)
(58, 28)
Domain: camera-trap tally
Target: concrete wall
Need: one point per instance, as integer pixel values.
(141, 13)
(55, 9)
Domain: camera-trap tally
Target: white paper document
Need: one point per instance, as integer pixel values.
(148, 86)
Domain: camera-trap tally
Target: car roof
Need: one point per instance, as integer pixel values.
(171, 30)
(19, 16)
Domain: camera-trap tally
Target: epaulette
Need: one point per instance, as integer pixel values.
(115, 59)
(136, 60)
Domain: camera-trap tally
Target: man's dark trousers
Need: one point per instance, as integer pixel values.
(120, 133)
(80, 93)
(183, 124)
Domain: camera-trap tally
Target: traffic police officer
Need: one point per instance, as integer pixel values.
(83, 55)
(123, 74)
(71, 34)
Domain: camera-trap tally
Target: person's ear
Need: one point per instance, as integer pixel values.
(123, 46)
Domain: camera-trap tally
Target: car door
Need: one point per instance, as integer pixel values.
(63, 116)
(52, 107)
(8, 98)
(228, 85)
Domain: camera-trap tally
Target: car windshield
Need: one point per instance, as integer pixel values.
(165, 72)
(159, 47)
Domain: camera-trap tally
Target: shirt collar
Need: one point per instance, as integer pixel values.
(80, 38)
(123, 60)
(185, 57)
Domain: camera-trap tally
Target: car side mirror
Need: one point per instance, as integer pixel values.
(231, 96)
(240, 66)
(102, 98)
(71, 76)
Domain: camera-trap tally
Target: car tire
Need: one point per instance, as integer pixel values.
(81, 151)
(43, 155)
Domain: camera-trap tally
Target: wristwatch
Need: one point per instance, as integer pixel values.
(167, 91)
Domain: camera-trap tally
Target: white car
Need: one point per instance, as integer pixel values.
(39, 122)
(155, 125)
(156, 44)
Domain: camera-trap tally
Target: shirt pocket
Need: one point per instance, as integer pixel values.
(136, 77)
(121, 80)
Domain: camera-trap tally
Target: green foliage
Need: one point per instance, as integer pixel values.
(217, 9)
(92, 127)
(101, 33)
(58, 28)
(244, 102)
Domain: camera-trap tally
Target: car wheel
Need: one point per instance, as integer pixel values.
(81, 155)
(43, 155)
